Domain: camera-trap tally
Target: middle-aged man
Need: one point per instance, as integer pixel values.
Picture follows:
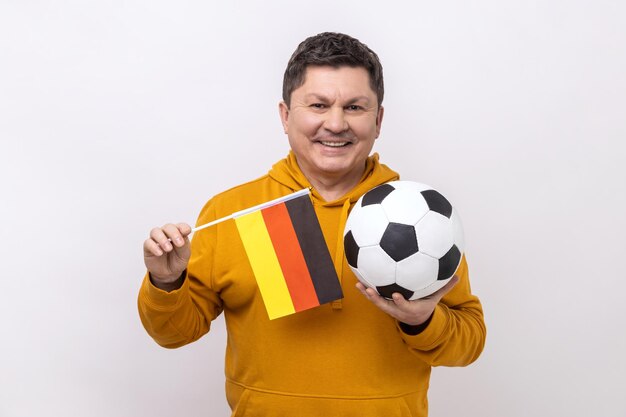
(360, 356)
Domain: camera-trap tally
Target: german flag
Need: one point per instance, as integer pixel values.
(289, 257)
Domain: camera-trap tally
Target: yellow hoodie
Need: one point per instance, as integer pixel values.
(346, 358)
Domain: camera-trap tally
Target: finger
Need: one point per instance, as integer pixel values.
(150, 247)
(361, 288)
(173, 234)
(181, 244)
(184, 229)
(401, 302)
(381, 302)
(368, 292)
(158, 235)
(378, 300)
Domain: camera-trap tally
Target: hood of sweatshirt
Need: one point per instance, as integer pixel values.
(288, 173)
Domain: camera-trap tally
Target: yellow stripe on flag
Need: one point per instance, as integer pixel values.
(260, 250)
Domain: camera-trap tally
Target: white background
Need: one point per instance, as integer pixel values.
(118, 116)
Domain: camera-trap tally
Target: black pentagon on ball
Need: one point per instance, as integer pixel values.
(387, 290)
(376, 195)
(351, 248)
(399, 241)
(448, 263)
(437, 203)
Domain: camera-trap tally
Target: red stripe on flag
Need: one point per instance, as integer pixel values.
(290, 257)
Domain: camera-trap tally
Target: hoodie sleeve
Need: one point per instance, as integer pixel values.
(456, 333)
(179, 317)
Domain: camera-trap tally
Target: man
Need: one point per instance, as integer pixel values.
(360, 356)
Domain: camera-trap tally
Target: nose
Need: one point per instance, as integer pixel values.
(335, 120)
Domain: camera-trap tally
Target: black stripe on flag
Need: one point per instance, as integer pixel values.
(314, 249)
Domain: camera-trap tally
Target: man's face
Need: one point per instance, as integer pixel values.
(332, 123)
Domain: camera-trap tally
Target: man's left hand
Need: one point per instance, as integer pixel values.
(414, 312)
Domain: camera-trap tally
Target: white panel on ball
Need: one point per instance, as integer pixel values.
(417, 271)
(367, 225)
(410, 185)
(405, 206)
(430, 289)
(376, 266)
(361, 278)
(434, 235)
(457, 230)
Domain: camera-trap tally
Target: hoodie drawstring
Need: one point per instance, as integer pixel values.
(340, 255)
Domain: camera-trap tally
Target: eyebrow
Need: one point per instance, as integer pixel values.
(353, 100)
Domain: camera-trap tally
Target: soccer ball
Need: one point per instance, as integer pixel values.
(403, 237)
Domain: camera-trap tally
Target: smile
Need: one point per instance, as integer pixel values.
(334, 144)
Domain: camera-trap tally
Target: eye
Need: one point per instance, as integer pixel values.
(318, 106)
(353, 107)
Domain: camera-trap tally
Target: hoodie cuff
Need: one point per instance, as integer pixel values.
(161, 299)
(427, 337)
(412, 330)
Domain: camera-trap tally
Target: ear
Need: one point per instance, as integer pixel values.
(283, 111)
(379, 120)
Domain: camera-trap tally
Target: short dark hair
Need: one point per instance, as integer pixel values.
(335, 50)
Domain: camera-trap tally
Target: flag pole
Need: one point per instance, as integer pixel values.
(261, 206)
(213, 223)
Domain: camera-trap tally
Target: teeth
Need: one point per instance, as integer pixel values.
(334, 144)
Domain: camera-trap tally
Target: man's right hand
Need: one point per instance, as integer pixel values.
(166, 254)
